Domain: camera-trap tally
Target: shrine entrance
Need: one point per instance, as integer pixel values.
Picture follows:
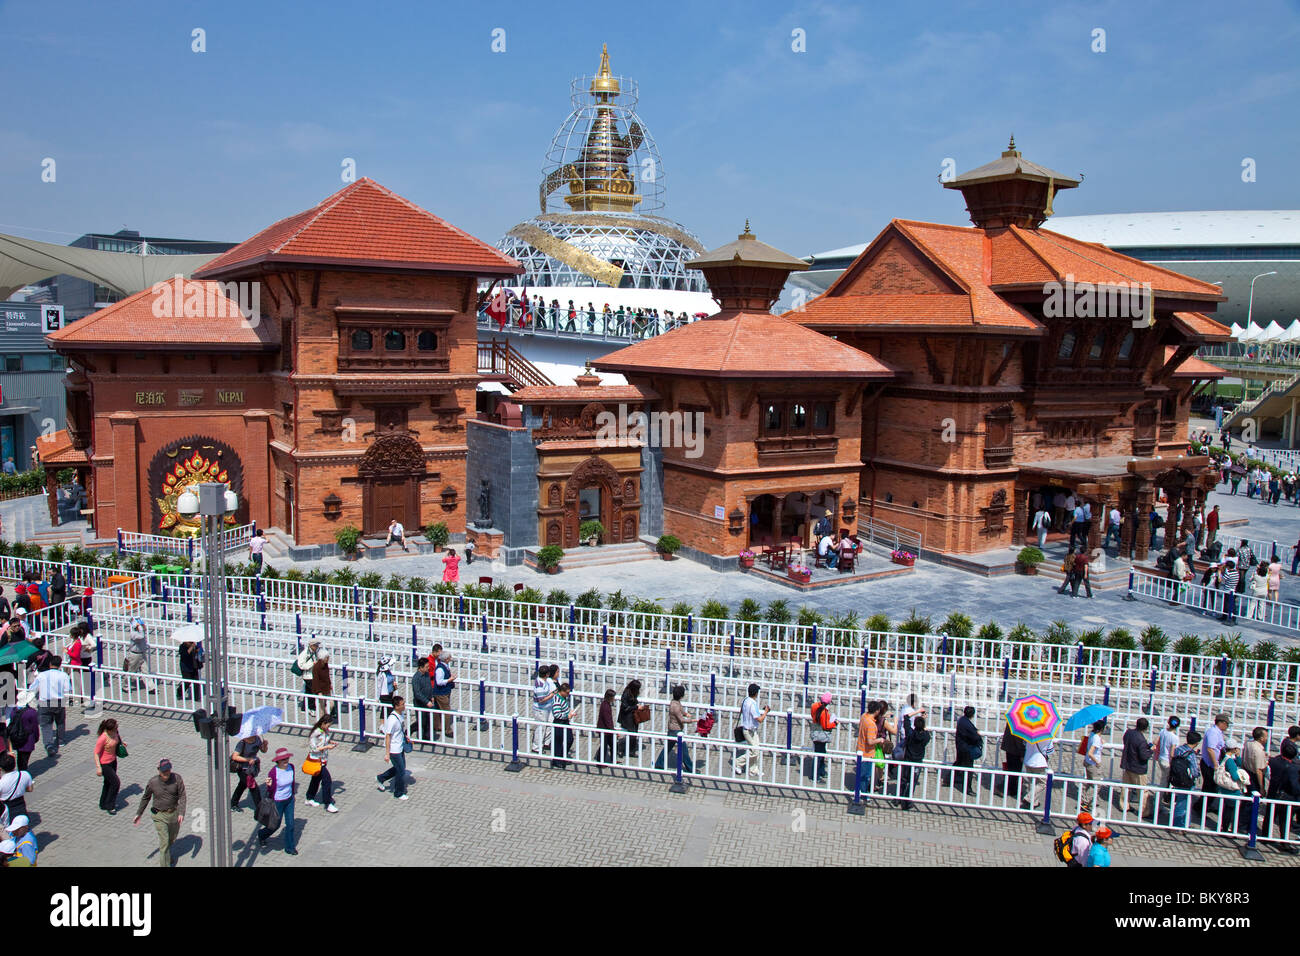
(390, 474)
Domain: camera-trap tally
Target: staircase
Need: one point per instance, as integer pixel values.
(499, 361)
(604, 554)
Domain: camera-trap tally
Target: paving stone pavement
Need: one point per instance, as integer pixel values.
(467, 810)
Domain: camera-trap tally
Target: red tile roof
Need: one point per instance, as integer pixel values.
(746, 345)
(969, 269)
(56, 449)
(572, 394)
(149, 320)
(1193, 367)
(365, 224)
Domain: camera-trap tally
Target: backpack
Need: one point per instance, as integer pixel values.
(1181, 772)
(17, 732)
(1063, 847)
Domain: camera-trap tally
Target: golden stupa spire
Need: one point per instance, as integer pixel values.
(604, 84)
(746, 234)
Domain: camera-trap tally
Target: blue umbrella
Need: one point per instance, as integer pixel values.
(1089, 716)
(258, 722)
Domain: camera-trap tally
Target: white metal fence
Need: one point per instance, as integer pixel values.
(136, 542)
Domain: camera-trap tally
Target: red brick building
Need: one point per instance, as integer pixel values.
(341, 400)
(1033, 360)
(780, 408)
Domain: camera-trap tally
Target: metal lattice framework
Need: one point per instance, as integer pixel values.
(602, 174)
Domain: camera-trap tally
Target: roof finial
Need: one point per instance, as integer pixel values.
(604, 84)
(1012, 144)
(746, 234)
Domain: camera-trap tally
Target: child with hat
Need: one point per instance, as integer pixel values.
(1099, 855)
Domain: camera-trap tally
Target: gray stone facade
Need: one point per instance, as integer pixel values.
(507, 459)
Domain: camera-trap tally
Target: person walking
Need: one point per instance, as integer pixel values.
(750, 718)
(15, 784)
(422, 695)
(450, 567)
(1082, 575)
(396, 747)
(1254, 760)
(1099, 853)
(1014, 749)
(385, 683)
(1274, 578)
(302, 666)
(918, 738)
(1113, 523)
(444, 682)
(870, 744)
(319, 745)
(167, 791)
(53, 692)
(24, 730)
(322, 685)
(1211, 527)
(1092, 768)
(139, 656)
(539, 734)
(1184, 771)
(1227, 585)
(190, 659)
(823, 730)
(1166, 744)
(628, 718)
(1258, 588)
(246, 764)
(281, 785)
(605, 727)
(561, 709)
(1284, 784)
(678, 719)
(107, 742)
(1037, 757)
(256, 545)
(1042, 524)
(1134, 763)
(970, 748)
(1212, 752)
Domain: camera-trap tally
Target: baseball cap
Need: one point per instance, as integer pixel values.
(1084, 818)
(18, 822)
(1104, 833)
(8, 846)
(20, 612)
(164, 765)
(827, 698)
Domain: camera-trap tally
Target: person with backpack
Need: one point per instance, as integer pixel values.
(823, 729)
(970, 747)
(1072, 847)
(15, 784)
(245, 764)
(1184, 774)
(281, 785)
(629, 714)
(396, 747)
(24, 729)
(918, 738)
(318, 747)
(301, 666)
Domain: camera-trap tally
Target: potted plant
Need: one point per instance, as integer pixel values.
(590, 532)
(746, 558)
(1028, 560)
(437, 535)
(668, 545)
(799, 573)
(905, 558)
(348, 538)
(548, 558)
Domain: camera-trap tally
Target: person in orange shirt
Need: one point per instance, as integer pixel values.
(870, 741)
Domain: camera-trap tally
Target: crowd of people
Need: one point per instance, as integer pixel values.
(533, 312)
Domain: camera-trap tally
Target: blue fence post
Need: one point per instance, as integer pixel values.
(1250, 851)
(713, 690)
(805, 683)
(345, 687)
(415, 654)
(943, 655)
(571, 619)
(572, 681)
(189, 548)
(789, 737)
(1151, 697)
(361, 727)
(1272, 704)
(485, 643)
(814, 642)
(1223, 673)
(856, 807)
(668, 667)
(514, 766)
(1193, 727)
(120, 548)
(482, 705)
(189, 613)
(1105, 696)
(1045, 825)
(537, 652)
(862, 704)
(690, 625)
(356, 595)
(1006, 673)
(679, 785)
(92, 688)
(1078, 664)
(297, 622)
(604, 643)
(1129, 595)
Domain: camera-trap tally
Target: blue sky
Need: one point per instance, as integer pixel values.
(818, 149)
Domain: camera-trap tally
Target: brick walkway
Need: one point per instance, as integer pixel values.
(468, 810)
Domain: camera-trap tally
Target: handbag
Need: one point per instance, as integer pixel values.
(121, 749)
(642, 713)
(1223, 780)
(311, 766)
(266, 810)
(295, 668)
(739, 734)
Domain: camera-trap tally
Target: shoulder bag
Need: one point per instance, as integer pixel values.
(642, 713)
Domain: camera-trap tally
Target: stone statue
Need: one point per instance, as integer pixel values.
(484, 504)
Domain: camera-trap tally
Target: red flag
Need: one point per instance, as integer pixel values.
(496, 309)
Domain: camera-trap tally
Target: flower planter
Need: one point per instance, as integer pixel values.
(554, 570)
(746, 562)
(666, 556)
(800, 577)
(905, 562)
(1026, 568)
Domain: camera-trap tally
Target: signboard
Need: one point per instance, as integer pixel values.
(719, 512)
(52, 316)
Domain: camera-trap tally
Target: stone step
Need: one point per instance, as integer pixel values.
(601, 555)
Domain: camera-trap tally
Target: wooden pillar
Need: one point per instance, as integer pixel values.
(52, 494)
(1127, 527)
(1097, 529)
(1020, 517)
(1143, 530)
(778, 505)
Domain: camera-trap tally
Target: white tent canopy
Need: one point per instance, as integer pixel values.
(1272, 333)
(24, 261)
(1292, 333)
(1237, 331)
(1251, 334)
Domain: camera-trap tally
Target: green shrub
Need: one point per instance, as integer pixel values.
(1030, 557)
(1187, 644)
(344, 576)
(549, 556)
(57, 553)
(646, 606)
(395, 582)
(1092, 637)
(318, 576)
(715, 610)
(990, 632)
(617, 601)
(529, 596)
(681, 609)
(499, 592)
(749, 610)
(348, 538)
(915, 624)
(558, 597)
(1233, 646)
(1022, 632)
(808, 617)
(878, 622)
(1154, 639)
(474, 590)
(268, 571)
(293, 574)
(4, 548)
(449, 588)
(1058, 632)
(778, 612)
(589, 598)
(1292, 655)
(417, 585)
(668, 544)
(1121, 638)
(370, 579)
(1266, 651)
(957, 624)
(590, 529)
(437, 533)
(110, 559)
(847, 621)
(133, 563)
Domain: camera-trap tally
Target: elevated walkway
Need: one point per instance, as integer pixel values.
(1274, 405)
(499, 361)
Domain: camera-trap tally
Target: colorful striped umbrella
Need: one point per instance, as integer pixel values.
(1033, 719)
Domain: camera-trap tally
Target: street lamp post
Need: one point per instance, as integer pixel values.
(212, 503)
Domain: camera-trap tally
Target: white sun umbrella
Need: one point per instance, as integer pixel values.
(187, 632)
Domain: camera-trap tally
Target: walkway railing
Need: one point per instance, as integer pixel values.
(138, 542)
(1211, 601)
(598, 326)
(884, 533)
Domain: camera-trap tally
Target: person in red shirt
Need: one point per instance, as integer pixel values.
(1211, 527)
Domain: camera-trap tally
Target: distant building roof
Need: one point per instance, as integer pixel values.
(1134, 230)
(367, 225)
(56, 449)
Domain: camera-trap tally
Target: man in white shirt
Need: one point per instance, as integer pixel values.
(53, 690)
(1036, 758)
(395, 749)
(750, 718)
(396, 531)
(1165, 744)
(255, 545)
(544, 690)
(1113, 528)
(1081, 839)
(1212, 752)
(1042, 524)
(138, 654)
